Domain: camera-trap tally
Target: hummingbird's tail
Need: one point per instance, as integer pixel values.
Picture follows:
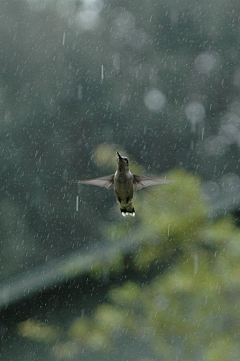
(130, 212)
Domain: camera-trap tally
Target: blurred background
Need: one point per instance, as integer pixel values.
(159, 81)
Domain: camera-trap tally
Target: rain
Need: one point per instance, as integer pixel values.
(158, 82)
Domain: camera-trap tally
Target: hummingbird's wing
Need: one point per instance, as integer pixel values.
(107, 181)
(141, 181)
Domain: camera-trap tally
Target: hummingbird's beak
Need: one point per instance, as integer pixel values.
(119, 156)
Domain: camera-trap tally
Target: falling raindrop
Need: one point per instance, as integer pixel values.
(77, 203)
(64, 38)
(168, 230)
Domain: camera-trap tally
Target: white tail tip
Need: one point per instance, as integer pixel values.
(124, 214)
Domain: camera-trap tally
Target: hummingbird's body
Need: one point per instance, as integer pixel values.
(123, 189)
(123, 182)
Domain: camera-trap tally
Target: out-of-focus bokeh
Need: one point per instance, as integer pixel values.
(159, 81)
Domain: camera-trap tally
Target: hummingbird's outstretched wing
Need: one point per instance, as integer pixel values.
(107, 181)
(141, 181)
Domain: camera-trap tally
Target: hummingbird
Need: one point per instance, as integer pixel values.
(123, 182)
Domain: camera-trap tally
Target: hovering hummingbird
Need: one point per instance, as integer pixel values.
(123, 182)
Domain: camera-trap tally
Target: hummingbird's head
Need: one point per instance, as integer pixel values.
(123, 164)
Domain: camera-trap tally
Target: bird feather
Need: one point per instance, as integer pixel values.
(106, 182)
(141, 181)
